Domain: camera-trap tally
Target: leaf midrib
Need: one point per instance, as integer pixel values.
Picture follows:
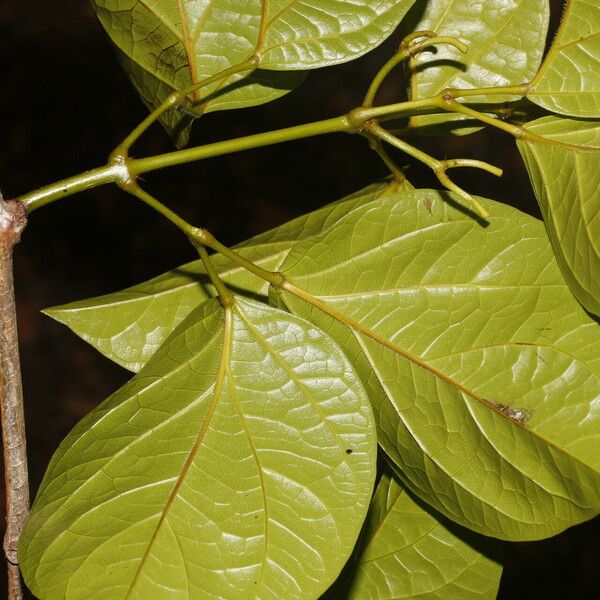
(424, 450)
(357, 328)
(234, 394)
(293, 377)
(144, 390)
(219, 379)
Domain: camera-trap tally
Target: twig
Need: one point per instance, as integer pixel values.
(12, 222)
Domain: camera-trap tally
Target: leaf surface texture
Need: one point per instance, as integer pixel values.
(168, 45)
(482, 368)
(506, 43)
(566, 180)
(409, 552)
(238, 463)
(568, 82)
(130, 325)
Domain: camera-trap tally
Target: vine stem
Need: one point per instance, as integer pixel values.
(12, 222)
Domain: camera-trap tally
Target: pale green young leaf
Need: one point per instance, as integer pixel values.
(483, 370)
(238, 464)
(407, 552)
(566, 180)
(128, 326)
(168, 45)
(506, 44)
(568, 81)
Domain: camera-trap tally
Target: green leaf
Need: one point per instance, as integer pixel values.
(238, 464)
(506, 44)
(568, 82)
(167, 45)
(483, 370)
(129, 326)
(410, 552)
(566, 181)
(305, 34)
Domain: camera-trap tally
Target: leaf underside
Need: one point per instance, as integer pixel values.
(568, 82)
(238, 463)
(169, 45)
(408, 552)
(566, 180)
(482, 369)
(506, 45)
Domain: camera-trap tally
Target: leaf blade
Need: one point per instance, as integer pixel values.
(402, 538)
(205, 449)
(567, 81)
(307, 34)
(506, 44)
(410, 302)
(565, 180)
(168, 46)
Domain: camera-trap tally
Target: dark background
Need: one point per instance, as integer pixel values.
(64, 104)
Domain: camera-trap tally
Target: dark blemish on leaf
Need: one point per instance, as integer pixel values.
(349, 450)
(517, 414)
(427, 204)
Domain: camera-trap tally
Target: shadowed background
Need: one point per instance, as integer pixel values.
(65, 103)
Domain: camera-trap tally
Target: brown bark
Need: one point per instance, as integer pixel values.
(12, 221)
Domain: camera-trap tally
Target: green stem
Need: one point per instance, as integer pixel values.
(72, 185)
(205, 238)
(433, 163)
(170, 159)
(226, 297)
(120, 169)
(439, 167)
(448, 103)
(202, 239)
(176, 98)
(508, 90)
(135, 190)
(381, 75)
(377, 146)
(409, 47)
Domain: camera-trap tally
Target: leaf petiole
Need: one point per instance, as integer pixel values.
(174, 99)
(409, 47)
(439, 167)
(226, 296)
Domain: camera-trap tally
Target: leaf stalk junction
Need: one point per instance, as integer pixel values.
(365, 120)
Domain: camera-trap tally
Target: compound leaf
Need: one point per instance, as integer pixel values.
(129, 326)
(238, 463)
(566, 181)
(408, 552)
(168, 45)
(567, 82)
(483, 370)
(506, 44)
